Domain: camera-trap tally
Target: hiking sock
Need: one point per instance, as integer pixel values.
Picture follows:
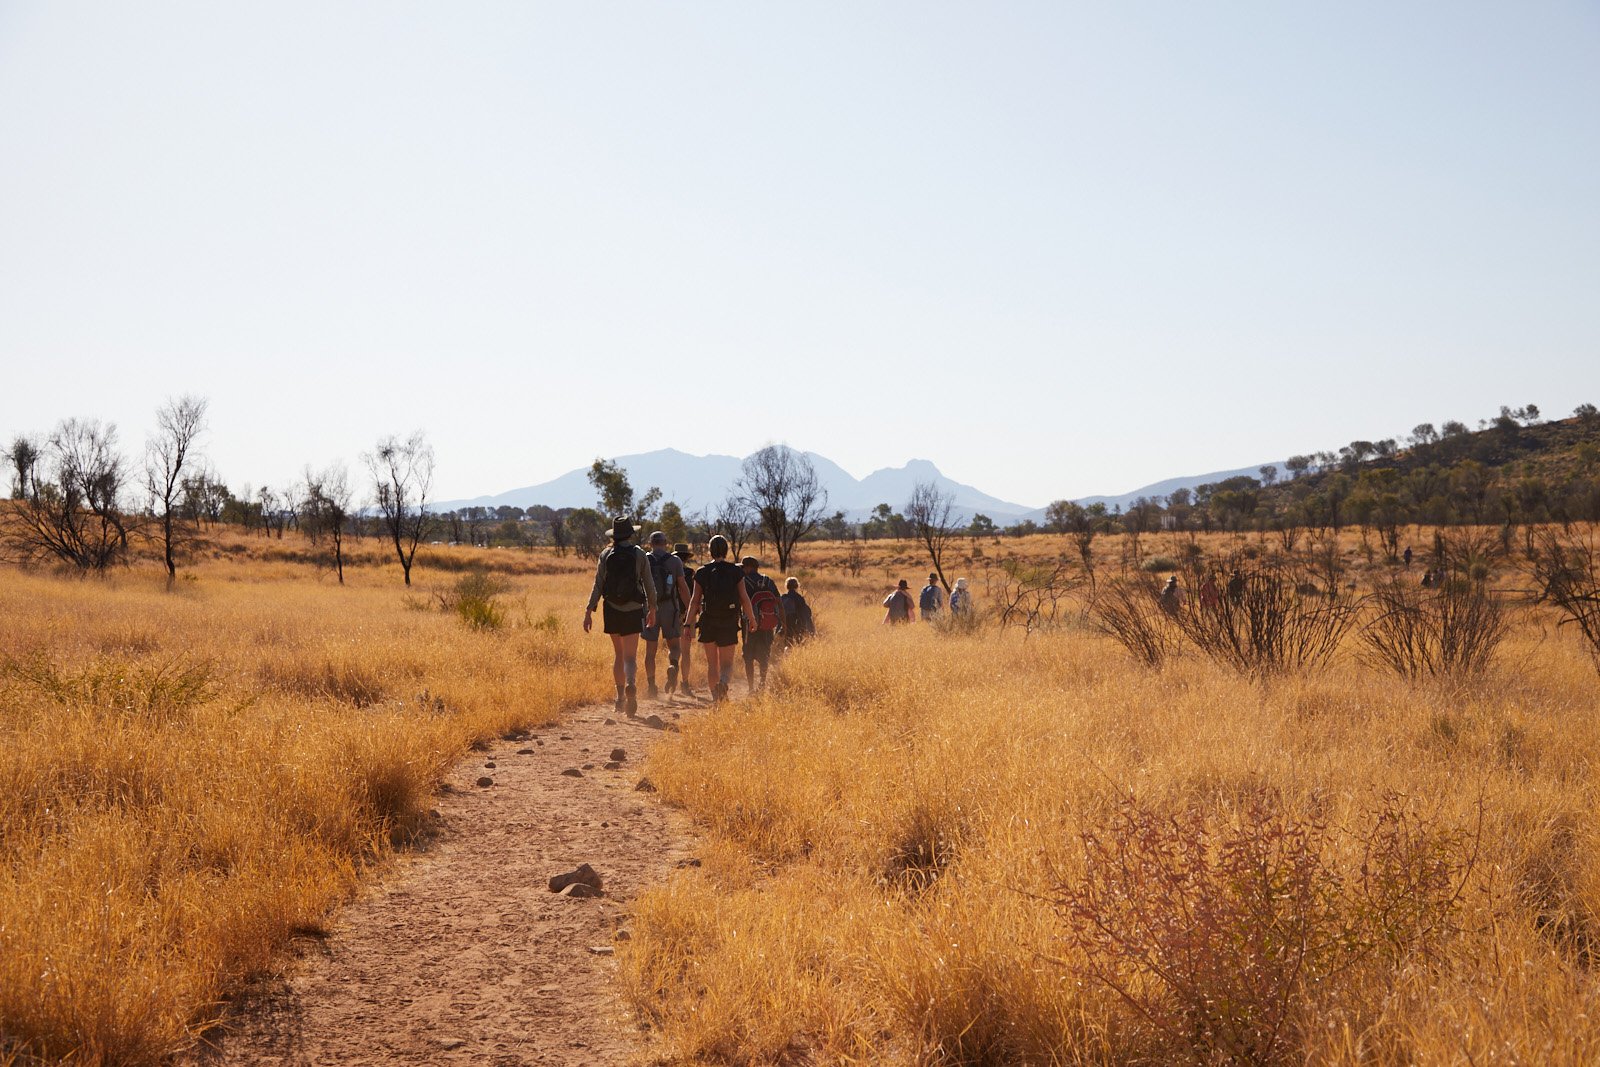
(621, 701)
(630, 671)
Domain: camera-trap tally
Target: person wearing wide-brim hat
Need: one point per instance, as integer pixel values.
(623, 582)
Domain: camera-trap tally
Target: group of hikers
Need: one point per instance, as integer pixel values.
(898, 607)
(661, 596)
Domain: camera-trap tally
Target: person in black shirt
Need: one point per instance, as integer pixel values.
(719, 602)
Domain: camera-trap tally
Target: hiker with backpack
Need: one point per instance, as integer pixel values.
(720, 600)
(797, 622)
(767, 608)
(899, 605)
(686, 642)
(960, 599)
(931, 601)
(623, 581)
(672, 603)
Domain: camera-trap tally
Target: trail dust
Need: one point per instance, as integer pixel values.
(462, 954)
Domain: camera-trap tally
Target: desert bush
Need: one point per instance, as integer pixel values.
(1159, 565)
(1230, 934)
(1452, 628)
(475, 600)
(1031, 595)
(1263, 624)
(1566, 569)
(1128, 610)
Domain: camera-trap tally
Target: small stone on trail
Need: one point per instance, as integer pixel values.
(582, 874)
(692, 861)
(451, 1042)
(602, 950)
(656, 721)
(485, 782)
(614, 765)
(618, 754)
(565, 737)
(623, 935)
(611, 722)
(579, 891)
(572, 772)
(489, 765)
(539, 742)
(524, 751)
(645, 786)
(588, 766)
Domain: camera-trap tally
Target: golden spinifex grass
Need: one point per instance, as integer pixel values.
(188, 778)
(913, 836)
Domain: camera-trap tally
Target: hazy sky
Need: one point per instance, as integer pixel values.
(1057, 249)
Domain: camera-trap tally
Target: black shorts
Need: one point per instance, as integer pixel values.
(724, 633)
(758, 646)
(622, 623)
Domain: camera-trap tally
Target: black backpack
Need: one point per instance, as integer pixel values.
(622, 584)
(719, 590)
(663, 579)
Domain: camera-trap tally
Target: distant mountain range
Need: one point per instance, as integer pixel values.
(700, 483)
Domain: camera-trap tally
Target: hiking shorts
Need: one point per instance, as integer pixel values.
(719, 632)
(669, 624)
(758, 646)
(622, 622)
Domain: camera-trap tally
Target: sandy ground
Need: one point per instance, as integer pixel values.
(462, 954)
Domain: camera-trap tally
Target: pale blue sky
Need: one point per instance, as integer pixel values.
(1056, 249)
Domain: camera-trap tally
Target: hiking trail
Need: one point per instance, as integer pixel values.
(460, 953)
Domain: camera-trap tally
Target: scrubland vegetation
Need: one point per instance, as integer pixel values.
(190, 778)
(1028, 845)
(1029, 840)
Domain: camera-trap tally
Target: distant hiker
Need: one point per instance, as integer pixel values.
(1210, 596)
(1171, 597)
(767, 606)
(623, 581)
(797, 622)
(1427, 579)
(898, 603)
(931, 602)
(686, 642)
(719, 602)
(1236, 586)
(672, 604)
(1406, 555)
(960, 600)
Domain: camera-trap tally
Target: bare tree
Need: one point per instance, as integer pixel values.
(327, 508)
(931, 513)
(735, 521)
(71, 509)
(23, 456)
(782, 488)
(167, 455)
(402, 475)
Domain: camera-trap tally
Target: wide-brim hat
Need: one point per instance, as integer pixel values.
(681, 550)
(621, 529)
(749, 561)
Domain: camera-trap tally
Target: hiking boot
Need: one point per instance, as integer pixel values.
(720, 693)
(621, 703)
(632, 694)
(650, 692)
(672, 677)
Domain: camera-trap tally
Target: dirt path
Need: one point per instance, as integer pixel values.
(462, 954)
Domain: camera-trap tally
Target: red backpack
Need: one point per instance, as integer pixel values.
(766, 606)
